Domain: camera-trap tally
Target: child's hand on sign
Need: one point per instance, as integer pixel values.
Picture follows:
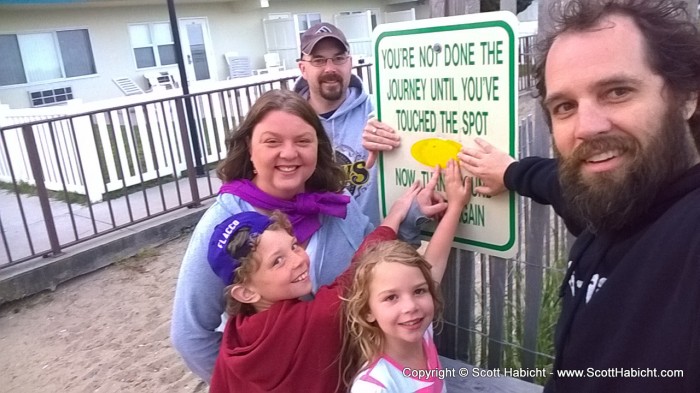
(430, 202)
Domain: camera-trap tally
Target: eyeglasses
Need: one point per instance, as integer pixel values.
(322, 61)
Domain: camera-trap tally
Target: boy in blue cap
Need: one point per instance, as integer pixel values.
(274, 342)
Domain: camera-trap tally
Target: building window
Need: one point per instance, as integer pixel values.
(307, 20)
(37, 57)
(278, 15)
(152, 44)
(373, 16)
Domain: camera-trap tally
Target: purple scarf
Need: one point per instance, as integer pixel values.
(302, 210)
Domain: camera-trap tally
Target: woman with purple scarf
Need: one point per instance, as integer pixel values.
(280, 158)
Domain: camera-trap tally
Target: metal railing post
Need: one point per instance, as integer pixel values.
(184, 136)
(184, 85)
(38, 173)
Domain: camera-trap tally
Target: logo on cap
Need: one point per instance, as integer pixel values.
(222, 263)
(227, 233)
(323, 29)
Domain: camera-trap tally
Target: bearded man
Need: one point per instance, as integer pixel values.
(619, 82)
(337, 96)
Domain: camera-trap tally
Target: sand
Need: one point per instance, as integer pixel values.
(107, 331)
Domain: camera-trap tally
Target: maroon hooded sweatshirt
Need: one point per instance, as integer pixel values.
(294, 346)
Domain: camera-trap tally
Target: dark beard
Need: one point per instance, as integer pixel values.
(328, 94)
(612, 201)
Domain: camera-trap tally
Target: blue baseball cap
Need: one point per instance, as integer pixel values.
(221, 262)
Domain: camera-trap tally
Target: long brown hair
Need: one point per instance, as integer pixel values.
(363, 341)
(328, 176)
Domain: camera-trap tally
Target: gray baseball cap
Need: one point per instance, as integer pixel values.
(317, 32)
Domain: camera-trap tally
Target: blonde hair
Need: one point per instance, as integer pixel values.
(249, 263)
(363, 341)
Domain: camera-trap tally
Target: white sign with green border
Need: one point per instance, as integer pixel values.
(440, 83)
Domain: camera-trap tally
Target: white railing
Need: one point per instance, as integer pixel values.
(98, 147)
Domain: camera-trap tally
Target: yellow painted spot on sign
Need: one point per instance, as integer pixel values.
(434, 151)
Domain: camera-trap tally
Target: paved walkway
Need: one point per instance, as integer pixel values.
(24, 226)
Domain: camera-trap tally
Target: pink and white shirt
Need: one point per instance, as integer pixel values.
(387, 376)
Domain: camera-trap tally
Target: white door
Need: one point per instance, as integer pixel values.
(400, 16)
(196, 48)
(358, 30)
(282, 37)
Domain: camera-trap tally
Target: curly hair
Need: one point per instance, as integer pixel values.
(328, 175)
(363, 341)
(249, 264)
(671, 38)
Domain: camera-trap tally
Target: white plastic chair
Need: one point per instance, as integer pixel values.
(272, 60)
(272, 64)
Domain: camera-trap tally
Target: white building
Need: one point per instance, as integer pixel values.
(56, 50)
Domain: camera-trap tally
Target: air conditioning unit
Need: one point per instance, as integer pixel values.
(160, 80)
(51, 96)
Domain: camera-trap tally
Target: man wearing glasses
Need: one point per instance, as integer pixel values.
(342, 105)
